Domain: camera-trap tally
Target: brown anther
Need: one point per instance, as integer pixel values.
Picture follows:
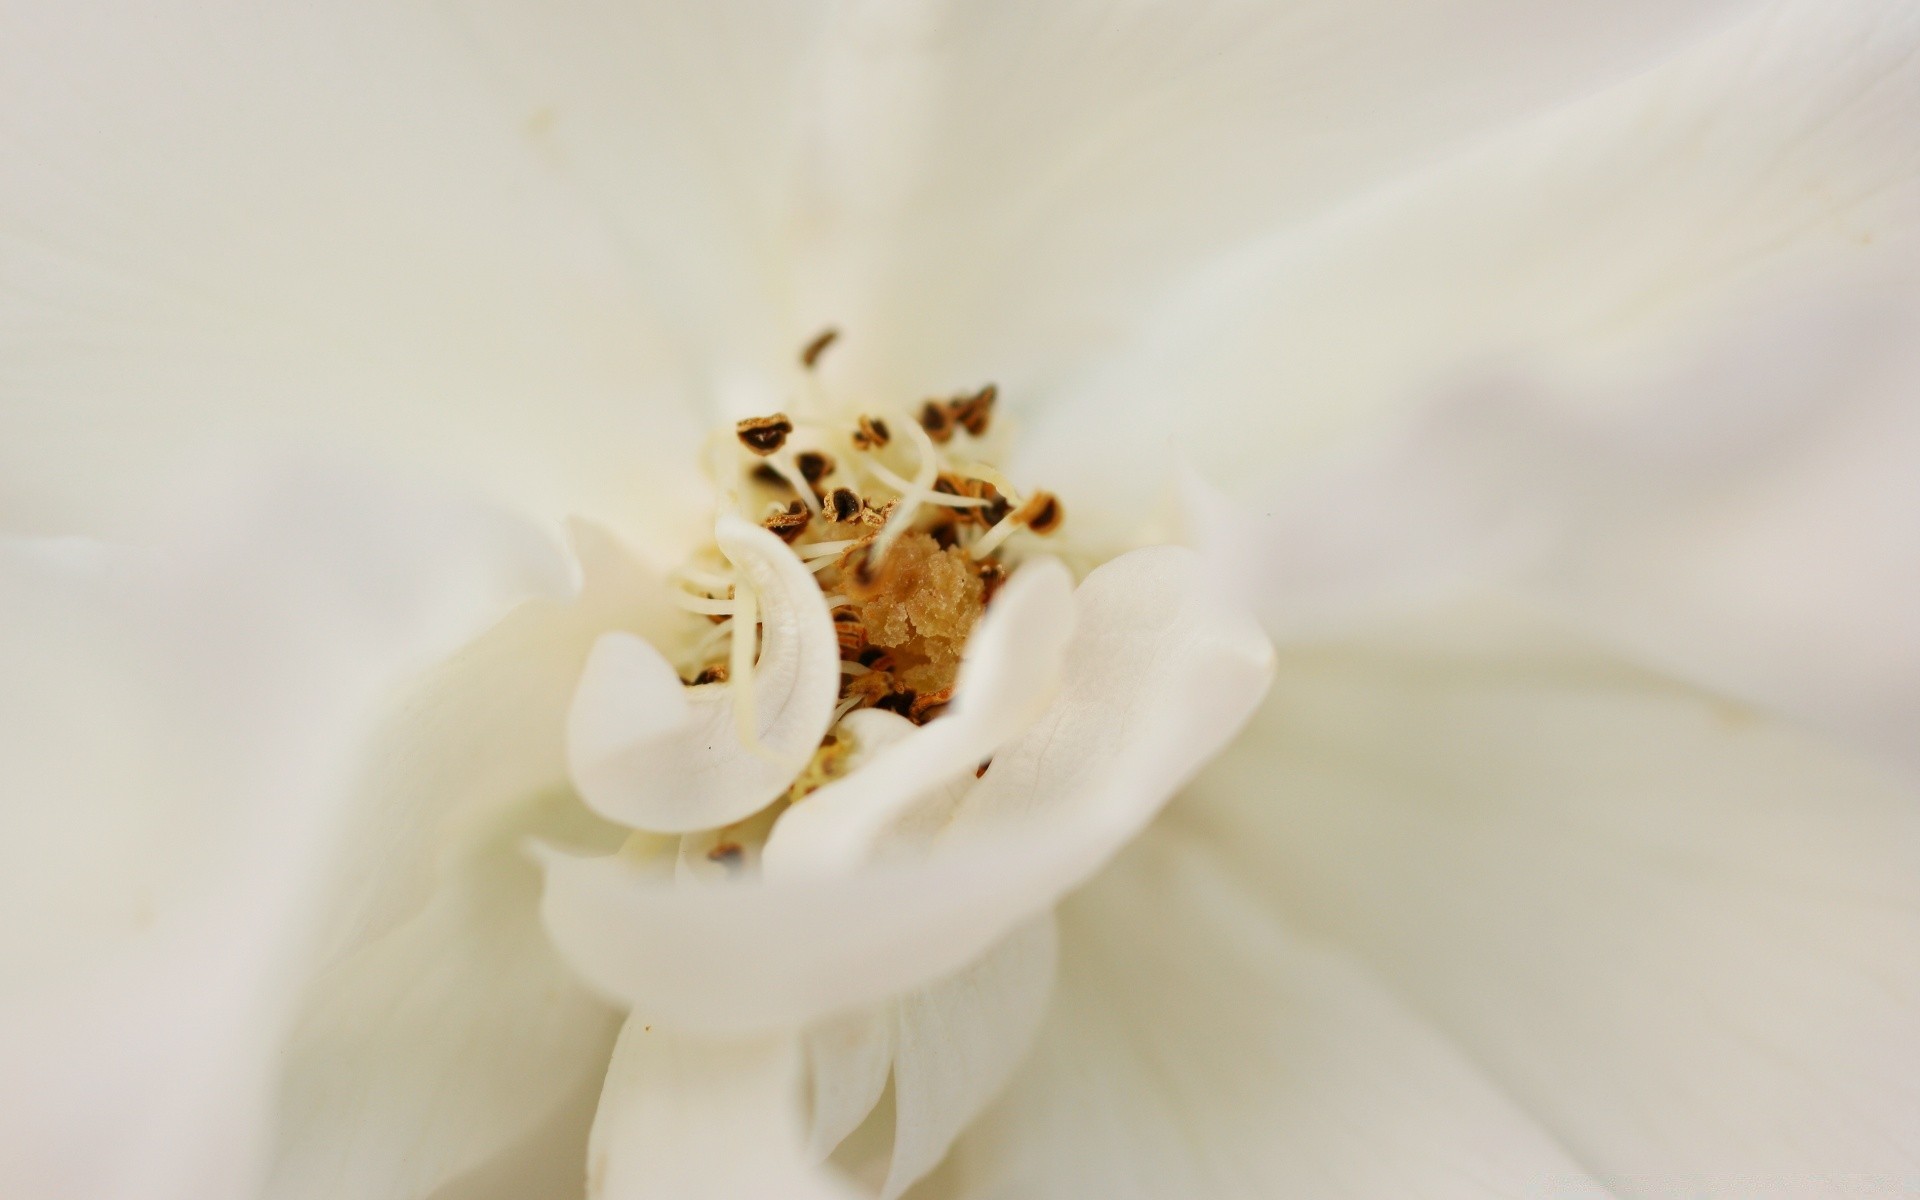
(842, 505)
(814, 466)
(976, 411)
(982, 768)
(873, 658)
(856, 565)
(897, 702)
(925, 708)
(716, 673)
(935, 419)
(849, 632)
(764, 473)
(945, 532)
(764, 435)
(876, 515)
(992, 574)
(728, 854)
(871, 434)
(810, 355)
(1041, 513)
(789, 522)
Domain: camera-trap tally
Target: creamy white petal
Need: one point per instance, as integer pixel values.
(1159, 675)
(1197, 1048)
(675, 126)
(1010, 673)
(849, 1058)
(1574, 246)
(1003, 190)
(421, 1056)
(183, 726)
(651, 753)
(316, 225)
(958, 1041)
(1682, 937)
(686, 1118)
(485, 731)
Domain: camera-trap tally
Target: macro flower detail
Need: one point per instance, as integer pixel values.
(632, 600)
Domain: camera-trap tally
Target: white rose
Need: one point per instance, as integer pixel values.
(1540, 376)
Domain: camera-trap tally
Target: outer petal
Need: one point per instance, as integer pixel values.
(183, 728)
(651, 753)
(1003, 190)
(1683, 938)
(685, 1118)
(1197, 1048)
(455, 1035)
(317, 224)
(1010, 674)
(1584, 244)
(1158, 677)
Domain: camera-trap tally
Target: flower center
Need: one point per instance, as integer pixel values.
(905, 526)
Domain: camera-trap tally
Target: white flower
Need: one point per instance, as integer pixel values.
(1555, 367)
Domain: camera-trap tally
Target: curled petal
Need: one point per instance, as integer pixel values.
(646, 751)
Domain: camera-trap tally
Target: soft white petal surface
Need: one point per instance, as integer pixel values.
(1010, 673)
(1683, 938)
(1768, 159)
(1196, 1047)
(1159, 675)
(686, 1118)
(1004, 190)
(455, 1035)
(183, 727)
(957, 1042)
(319, 223)
(651, 753)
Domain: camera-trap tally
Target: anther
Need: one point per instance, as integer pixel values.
(716, 673)
(789, 522)
(842, 505)
(1041, 513)
(814, 466)
(764, 435)
(850, 633)
(935, 420)
(975, 411)
(922, 709)
(810, 356)
(871, 434)
(898, 702)
(765, 473)
(727, 854)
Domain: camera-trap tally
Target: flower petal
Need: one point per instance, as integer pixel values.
(1010, 673)
(1159, 675)
(957, 1043)
(1576, 248)
(1197, 1048)
(849, 1058)
(183, 725)
(685, 1118)
(1003, 191)
(456, 1034)
(1686, 939)
(316, 227)
(649, 752)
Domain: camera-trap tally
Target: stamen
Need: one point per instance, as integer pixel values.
(763, 435)
(713, 606)
(810, 356)
(914, 494)
(841, 505)
(871, 434)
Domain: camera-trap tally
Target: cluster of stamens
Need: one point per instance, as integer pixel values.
(908, 538)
